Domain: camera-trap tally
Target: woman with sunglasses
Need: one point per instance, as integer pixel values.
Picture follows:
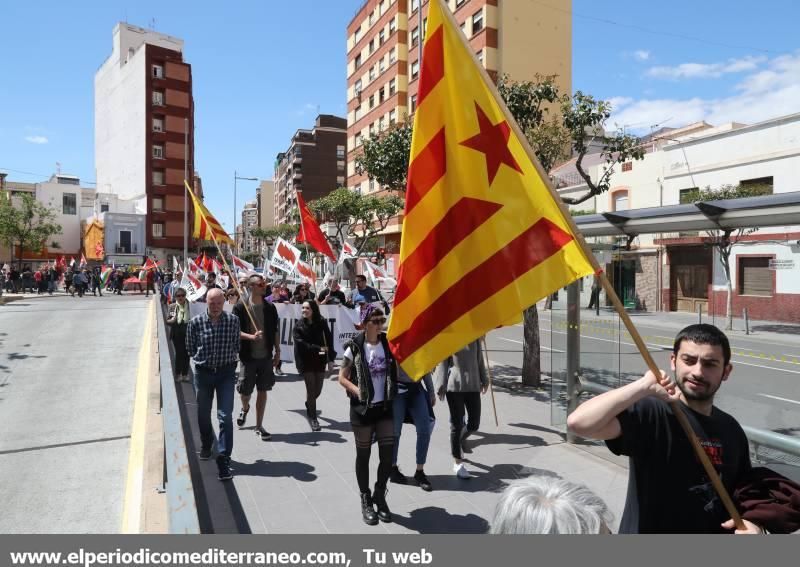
(312, 352)
(369, 375)
(178, 318)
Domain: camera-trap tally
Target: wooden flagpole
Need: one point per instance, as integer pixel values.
(491, 381)
(224, 261)
(637, 339)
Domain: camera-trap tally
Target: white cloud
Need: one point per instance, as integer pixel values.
(36, 139)
(761, 95)
(706, 70)
(641, 55)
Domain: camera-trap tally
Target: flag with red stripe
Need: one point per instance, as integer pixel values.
(483, 234)
(206, 227)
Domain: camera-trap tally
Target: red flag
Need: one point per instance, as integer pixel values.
(149, 265)
(310, 231)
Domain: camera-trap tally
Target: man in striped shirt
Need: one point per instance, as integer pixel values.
(212, 339)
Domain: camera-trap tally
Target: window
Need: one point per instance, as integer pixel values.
(758, 186)
(372, 17)
(689, 196)
(413, 102)
(380, 95)
(414, 36)
(371, 101)
(381, 65)
(69, 204)
(392, 26)
(358, 139)
(381, 124)
(479, 54)
(340, 181)
(755, 277)
(392, 116)
(372, 73)
(104, 208)
(158, 204)
(158, 177)
(124, 245)
(158, 98)
(340, 164)
(371, 45)
(158, 151)
(477, 22)
(459, 3)
(358, 112)
(372, 185)
(358, 61)
(424, 26)
(357, 34)
(381, 37)
(414, 5)
(392, 56)
(340, 152)
(371, 129)
(627, 166)
(158, 124)
(158, 230)
(463, 27)
(621, 200)
(158, 72)
(415, 69)
(392, 86)
(358, 87)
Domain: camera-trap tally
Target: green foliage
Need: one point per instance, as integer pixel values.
(28, 224)
(358, 217)
(582, 213)
(733, 192)
(384, 157)
(285, 231)
(582, 120)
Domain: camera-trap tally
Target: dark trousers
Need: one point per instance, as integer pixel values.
(459, 402)
(314, 382)
(179, 342)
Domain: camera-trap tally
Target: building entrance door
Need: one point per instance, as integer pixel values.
(690, 277)
(625, 282)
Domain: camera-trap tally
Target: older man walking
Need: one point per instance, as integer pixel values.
(212, 339)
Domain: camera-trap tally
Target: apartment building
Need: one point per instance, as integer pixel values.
(313, 163)
(144, 131)
(519, 37)
(249, 222)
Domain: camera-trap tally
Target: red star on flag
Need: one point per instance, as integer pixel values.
(492, 141)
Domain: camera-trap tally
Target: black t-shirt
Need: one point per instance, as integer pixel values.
(337, 297)
(668, 490)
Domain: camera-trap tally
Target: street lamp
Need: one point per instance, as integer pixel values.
(235, 179)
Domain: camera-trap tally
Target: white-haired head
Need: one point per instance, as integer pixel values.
(549, 505)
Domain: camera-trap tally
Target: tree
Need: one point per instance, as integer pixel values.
(356, 216)
(724, 239)
(580, 121)
(384, 157)
(27, 224)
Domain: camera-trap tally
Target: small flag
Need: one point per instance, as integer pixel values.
(240, 265)
(149, 265)
(285, 257)
(194, 289)
(105, 273)
(194, 269)
(378, 274)
(83, 261)
(310, 231)
(348, 251)
(71, 261)
(306, 272)
(206, 227)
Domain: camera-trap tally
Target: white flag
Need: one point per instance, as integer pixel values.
(194, 289)
(285, 257)
(376, 274)
(348, 251)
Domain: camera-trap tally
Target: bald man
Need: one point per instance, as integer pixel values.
(212, 340)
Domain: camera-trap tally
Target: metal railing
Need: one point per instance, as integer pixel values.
(181, 504)
(757, 437)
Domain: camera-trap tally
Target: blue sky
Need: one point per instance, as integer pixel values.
(262, 69)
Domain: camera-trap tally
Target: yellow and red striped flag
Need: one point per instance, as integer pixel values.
(206, 227)
(483, 236)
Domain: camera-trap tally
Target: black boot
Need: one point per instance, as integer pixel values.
(367, 511)
(379, 499)
(312, 419)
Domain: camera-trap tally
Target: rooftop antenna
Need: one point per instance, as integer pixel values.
(58, 168)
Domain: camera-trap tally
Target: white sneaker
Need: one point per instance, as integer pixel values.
(461, 471)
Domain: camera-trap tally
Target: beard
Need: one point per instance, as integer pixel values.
(700, 396)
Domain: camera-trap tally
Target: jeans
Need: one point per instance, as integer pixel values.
(414, 400)
(458, 402)
(207, 383)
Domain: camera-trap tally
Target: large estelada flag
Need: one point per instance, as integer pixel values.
(483, 236)
(206, 227)
(310, 231)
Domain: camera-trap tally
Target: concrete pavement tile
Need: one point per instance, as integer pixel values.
(447, 515)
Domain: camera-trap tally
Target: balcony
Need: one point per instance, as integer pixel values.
(126, 248)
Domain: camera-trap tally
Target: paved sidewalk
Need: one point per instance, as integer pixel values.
(304, 482)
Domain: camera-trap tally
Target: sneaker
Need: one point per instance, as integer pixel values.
(242, 417)
(422, 481)
(205, 454)
(461, 471)
(224, 468)
(397, 477)
(314, 424)
(263, 433)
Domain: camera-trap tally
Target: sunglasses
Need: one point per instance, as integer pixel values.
(378, 321)
(181, 295)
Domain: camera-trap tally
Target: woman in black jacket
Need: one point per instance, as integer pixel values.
(313, 349)
(369, 375)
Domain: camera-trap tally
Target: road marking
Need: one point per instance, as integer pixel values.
(132, 506)
(781, 399)
(521, 343)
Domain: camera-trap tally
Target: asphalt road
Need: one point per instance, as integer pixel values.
(67, 375)
(763, 390)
